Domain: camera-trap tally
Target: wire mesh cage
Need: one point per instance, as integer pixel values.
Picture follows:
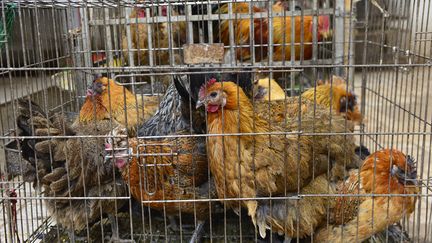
(215, 121)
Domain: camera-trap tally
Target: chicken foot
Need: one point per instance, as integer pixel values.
(173, 223)
(197, 234)
(115, 237)
(287, 239)
(73, 237)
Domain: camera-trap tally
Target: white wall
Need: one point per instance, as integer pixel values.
(423, 7)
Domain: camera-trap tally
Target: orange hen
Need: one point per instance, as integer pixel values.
(337, 96)
(387, 171)
(165, 169)
(281, 33)
(106, 100)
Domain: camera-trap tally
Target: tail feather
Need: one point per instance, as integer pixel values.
(296, 218)
(26, 110)
(394, 233)
(40, 153)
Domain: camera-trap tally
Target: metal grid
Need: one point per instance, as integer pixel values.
(382, 48)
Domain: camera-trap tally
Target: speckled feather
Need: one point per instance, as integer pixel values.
(74, 164)
(67, 167)
(168, 118)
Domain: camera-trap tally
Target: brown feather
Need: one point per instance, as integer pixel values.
(271, 164)
(115, 102)
(281, 33)
(358, 218)
(167, 169)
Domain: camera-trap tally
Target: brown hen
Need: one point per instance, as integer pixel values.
(164, 169)
(108, 100)
(337, 96)
(250, 166)
(75, 167)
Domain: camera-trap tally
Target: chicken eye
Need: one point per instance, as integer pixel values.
(213, 94)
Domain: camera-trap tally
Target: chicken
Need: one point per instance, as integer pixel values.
(268, 90)
(163, 36)
(160, 39)
(281, 33)
(338, 97)
(176, 111)
(182, 171)
(282, 105)
(250, 166)
(107, 100)
(388, 171)
(75, 167)
(334, 95)
(165, 169)
(149, 104)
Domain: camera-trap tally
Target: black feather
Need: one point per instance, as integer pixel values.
(177, 110)
(362, 152)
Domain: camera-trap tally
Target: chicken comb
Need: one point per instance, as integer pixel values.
(205, 86)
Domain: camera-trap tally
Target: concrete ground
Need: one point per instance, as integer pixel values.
(398, 103)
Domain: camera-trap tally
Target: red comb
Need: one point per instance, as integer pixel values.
(164, 11)
(141, 13)
(324, 21)
(206, 86)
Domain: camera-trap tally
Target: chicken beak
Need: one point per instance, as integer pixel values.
(199, 104)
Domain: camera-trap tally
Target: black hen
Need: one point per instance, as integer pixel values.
(177, 110)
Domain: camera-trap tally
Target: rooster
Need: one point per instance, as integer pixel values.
(281, 33)
(249, 166)
(357, 218)
(75, 167)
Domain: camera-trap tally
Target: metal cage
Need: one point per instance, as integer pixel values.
(51, 51)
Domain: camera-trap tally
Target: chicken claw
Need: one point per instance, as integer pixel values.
(197, 234)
